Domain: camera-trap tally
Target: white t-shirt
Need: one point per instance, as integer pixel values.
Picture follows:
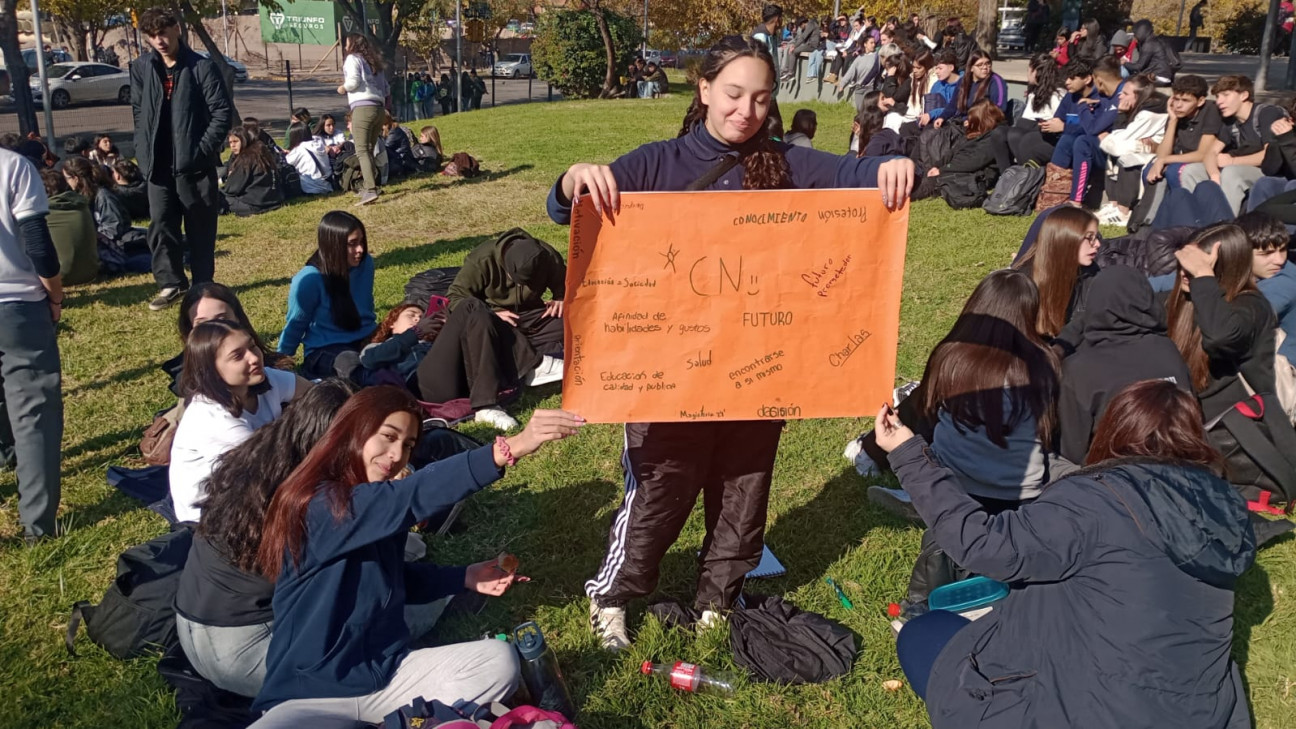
(22, 196)
(312, 163)
(1047, 112)
(207, 431)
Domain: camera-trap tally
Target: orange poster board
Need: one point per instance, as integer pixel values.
(763, 304)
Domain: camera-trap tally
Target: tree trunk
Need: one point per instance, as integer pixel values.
(24, 106)
(609, 78)
(75, 33)
(214, 52)
(987, 27)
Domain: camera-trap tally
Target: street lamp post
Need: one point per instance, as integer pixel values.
(40, 70)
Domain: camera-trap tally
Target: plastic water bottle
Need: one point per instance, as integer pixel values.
(540, 671)
(690, 677)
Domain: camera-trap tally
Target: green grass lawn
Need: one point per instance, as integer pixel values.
(552, 510)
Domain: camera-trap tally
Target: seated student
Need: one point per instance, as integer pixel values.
(228, 393)
(1235, 157)
(653, 83)
(309, 156)
(104, 152)
(428, 153)
(1121, 608)
(1065, 122)
(1222, 325)
(989, 394)
(332, 545)
(333, 136)
(397, 141)
(1139, 128)
(1125, 341)
(72, 228)
(897, 83)
(253, 127)
(1276, 279)
(510, 275)
(982, 147)
(1191, 128)
(979, 82)
(223, 606)
(301, 115)
(208, 301)
(1078, 149)
(77, 146)
(1046, 89)
(869, 135)
(112, 220)
(130, 188)
(1279, 168)
(863, 73)
(330, 300)
(920, 100)
(804, 124)
(1061, 51)
(1155, 56)
(251, 183)
(1061, 263)
(946, 83)
(1087, 43)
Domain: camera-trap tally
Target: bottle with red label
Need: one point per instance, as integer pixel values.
(690, 677)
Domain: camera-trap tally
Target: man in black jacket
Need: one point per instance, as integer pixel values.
(1154, 55)
(182, 113)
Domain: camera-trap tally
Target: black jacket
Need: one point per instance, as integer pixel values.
(135, 198)
(399, 154)
(1071, 334)
(1238, 336)
(1121, 608)
(112, 219)
(1155, 56)
(1124, 342)
(1152, 254)
(971, 155)
(1280, 157)
(201, 113)
(251, 191)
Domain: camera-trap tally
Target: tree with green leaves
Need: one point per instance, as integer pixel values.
(385, 25)
(85, 22)
(571, 50)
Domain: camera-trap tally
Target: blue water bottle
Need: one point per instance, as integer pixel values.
(540, 671)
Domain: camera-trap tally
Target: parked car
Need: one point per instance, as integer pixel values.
(514, 65)
(55, 55)
(240, 70)
(71, 83)
(664, 59)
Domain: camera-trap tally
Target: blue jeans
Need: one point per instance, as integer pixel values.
(816, 64)
(1267, 187)
(920, 642)
(31, 392)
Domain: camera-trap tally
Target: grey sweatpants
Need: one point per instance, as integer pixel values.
(481, 672)
(1235, 180)
(32, 395)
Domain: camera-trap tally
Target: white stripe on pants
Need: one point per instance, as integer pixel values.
(480, 672)
(616, 553)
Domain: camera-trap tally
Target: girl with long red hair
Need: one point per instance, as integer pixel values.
(333, 544)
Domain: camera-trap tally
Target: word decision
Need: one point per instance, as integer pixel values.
(751, 305)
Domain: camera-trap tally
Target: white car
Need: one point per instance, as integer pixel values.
(514, 65)
(240, 70)
(81, 82)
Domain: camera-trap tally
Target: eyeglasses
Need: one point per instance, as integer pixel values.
(981, 64)
(1090, 238)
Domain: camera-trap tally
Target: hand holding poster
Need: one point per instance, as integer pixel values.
(733, 306)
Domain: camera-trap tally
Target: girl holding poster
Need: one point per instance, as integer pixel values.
(721, 146)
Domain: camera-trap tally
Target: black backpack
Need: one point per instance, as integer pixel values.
(963, 190)
(289, 180)
(1016, 190)
(137, 614)
(424, 285)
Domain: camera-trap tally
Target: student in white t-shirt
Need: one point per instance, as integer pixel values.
(309, 155)
(228, 394)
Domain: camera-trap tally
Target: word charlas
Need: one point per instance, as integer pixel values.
(789, 216)
(854, 340)
(844, 214)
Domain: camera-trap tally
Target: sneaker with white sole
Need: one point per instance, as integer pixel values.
(895, 501)
(864, 463)
(166, 297)
(496, 418)
(609, 625)
(549, 370)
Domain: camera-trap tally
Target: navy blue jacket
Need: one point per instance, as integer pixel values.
(1101, 117)
(1121, 607)
(997, 93)
(339, 616)
(672, 165)
(1071, 105)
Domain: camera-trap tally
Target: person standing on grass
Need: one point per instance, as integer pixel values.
(182, 113)
(31, 303)
(723, 139)
(366, 90)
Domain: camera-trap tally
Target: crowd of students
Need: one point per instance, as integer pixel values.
(305, 588)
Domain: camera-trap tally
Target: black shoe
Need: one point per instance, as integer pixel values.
(166, 297)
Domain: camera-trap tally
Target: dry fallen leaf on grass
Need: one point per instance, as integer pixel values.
(892, 685)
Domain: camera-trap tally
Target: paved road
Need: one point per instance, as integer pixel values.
(264, 99)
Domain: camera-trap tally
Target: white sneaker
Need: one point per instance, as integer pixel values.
(711, 619)
(496, 418)
(854, 448)
(895, 501)
(863, 462)
(549, 370)
(609, 625)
